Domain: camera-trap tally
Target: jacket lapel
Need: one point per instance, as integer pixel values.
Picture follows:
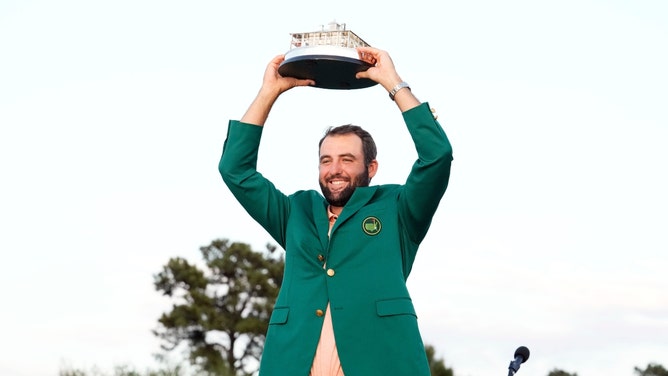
(321, 220)
(360, 197)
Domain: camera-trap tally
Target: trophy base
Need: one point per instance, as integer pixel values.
(330, 67)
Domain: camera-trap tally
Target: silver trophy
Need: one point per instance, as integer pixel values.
(328, 57)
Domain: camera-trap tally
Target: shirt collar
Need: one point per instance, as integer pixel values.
(331, 215)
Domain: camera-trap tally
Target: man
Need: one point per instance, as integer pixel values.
(343, 308)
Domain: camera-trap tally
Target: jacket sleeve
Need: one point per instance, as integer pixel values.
(430, 174)
(238, 168)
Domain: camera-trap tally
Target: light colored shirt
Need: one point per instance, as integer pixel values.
(326, 360)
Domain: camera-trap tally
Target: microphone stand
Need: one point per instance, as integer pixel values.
(513, 368)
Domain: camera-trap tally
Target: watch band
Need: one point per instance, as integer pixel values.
(398, 87)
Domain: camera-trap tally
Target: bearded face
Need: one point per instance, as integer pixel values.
(338, 188)
(342, 168)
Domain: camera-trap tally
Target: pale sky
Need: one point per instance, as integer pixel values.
(552, 234)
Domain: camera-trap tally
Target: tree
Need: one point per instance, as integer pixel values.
(653, 369)
(558, 372)
(221, 313)
(437, 366)
(121, 370)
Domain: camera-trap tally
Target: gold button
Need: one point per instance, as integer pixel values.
(321, 257)
(319, 312)
(330, 272)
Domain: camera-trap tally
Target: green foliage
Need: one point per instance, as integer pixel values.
(653, 369)
(437, 366)
(72, 372)
(558, 372)
(122, 370)
(221, 312)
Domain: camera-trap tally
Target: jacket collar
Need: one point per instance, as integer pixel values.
(360, 197)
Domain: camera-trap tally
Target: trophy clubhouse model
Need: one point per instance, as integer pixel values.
(329, 57)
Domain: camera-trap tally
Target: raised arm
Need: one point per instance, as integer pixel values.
(386, 75)
(273, 85)
(238, 164)
(430, 174)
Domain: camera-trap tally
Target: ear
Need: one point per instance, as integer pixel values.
(373, 168)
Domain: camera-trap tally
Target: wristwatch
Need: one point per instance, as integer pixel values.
(398, 87)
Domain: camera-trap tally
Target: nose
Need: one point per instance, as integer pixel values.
(335, 167)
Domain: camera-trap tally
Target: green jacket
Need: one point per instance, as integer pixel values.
(369, 256)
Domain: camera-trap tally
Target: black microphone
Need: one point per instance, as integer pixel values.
(521, 356)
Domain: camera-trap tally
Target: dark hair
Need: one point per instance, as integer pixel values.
(368, 144)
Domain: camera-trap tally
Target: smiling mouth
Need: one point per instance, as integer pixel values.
(337, 184)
